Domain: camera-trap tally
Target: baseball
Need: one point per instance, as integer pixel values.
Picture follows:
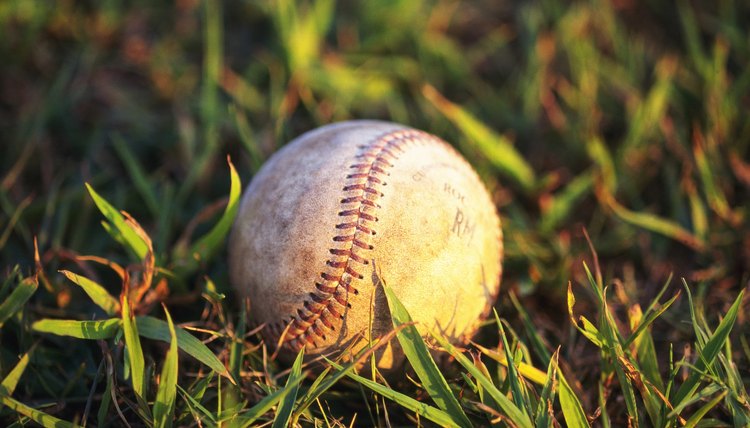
(347, 205)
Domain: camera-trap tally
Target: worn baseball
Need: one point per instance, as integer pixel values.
(348, 205)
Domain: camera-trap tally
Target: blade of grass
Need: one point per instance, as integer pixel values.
(645, 351)
(120, 230)
(613, 349)
(656, 224)
(423, 410)
(284, 412)
(324, 382)
(531, 332)
(513, 377)
(496, 148)
(248, 418)
(701, 395)
(134, 352)
(421, 361)
(35, 415)
(708, 353)
(100, 329)
(701, 413)
(17, 298)
(571, 406)
(586, 328)
(207, 246)
(8, 385)
(198, 410)
(96, 292)
(654, 311)
(156, 329)
(514, 413)
(166, 394)
(237, 346)
(544, 413)
(528, 371)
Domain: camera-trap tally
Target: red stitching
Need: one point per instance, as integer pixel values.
(330, 301)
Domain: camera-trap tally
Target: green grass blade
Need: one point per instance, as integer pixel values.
(653, 312)
(238, 345)
(496, 148)
(322, 383)
(100, 329)
(8, 385)
(514, 413)
(284, 412)
(134, 352)
(422, 362)
(710, 351)
(35, 415)
(248, 418)
(586, 327)
(571, 406)
(701, 395)
(513, 376)
(121, 230)
(156, 329)
(542, 415)
(423, 410)
(701, 413)
(537, 343)
(96, 292)
(166, 394)
(15, 301)
(614, 351)
(207, 245)
(197, 409)
(656, 224)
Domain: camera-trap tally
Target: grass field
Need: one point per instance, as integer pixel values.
(613, 135)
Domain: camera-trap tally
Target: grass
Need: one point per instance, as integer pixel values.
(612, 135)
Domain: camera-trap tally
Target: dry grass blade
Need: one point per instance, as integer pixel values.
(528, 371)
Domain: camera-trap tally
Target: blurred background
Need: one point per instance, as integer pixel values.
(623, 118)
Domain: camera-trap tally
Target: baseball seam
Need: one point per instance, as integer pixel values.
(358, 208)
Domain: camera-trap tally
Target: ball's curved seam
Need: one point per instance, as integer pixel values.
(327, 305)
